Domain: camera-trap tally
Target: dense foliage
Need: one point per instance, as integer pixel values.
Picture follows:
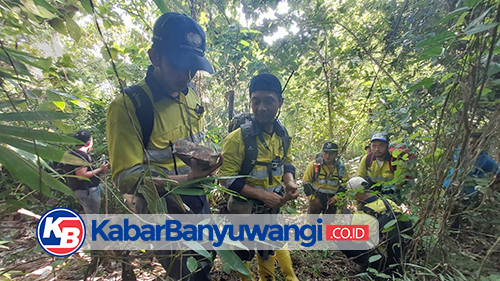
(425, 72)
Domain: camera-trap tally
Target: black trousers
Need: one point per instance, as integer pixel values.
(174, 261)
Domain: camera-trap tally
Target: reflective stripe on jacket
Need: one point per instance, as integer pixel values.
(376, 173)
(326, 181)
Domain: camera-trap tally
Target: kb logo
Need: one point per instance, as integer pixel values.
(60, 232)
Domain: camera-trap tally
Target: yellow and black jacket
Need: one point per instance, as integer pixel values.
(174, 118)
(270, 150)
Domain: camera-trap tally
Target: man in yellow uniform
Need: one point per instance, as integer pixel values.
(323, 178)
(268, 172)
(145, 121)
(377, 167)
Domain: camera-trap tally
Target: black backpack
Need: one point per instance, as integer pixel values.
(250, 135)
(319, 162)
(144, 109)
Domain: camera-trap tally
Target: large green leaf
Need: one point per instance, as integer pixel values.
(436, 40)
(453, 14)
(480, 28)
(161, 5)
(33, 10)
(58, 25)
(188, 191)
(34, 116)
(29, 174)
(41, 63)
(478, 19)
(47, 6)
(5, 73)
(74, 29)
(38, 135)
(44, 151)
(20, 68)
(230, 258)
(86, 5)
(4, 104)
(494, 68)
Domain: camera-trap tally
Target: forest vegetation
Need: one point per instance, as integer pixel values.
(426, 73)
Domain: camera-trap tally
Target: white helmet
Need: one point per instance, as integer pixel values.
(357, 182)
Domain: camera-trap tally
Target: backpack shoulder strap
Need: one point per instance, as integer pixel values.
(387, 206)
(369, 160)
(371, 156)
(250, 142)
(143, 111)
(186, 90)
(318, 162)
(286, 139)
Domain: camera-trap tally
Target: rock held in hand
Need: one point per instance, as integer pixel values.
(204, 156)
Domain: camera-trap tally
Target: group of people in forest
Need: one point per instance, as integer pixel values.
(146, 119)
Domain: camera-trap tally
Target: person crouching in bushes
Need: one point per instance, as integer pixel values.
(394, 238)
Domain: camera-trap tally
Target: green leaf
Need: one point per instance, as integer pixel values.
(188, 191)
(424, 83)
(436, 40)
(390, 223)
(34, 116)
(454, 13)
(41, 63)
(245, 30)
(478, 19)
(192, 264)
(20, 68)
(383, 275)
(44, 151)
(47, 6)
(156, 204)
(433, 51)
(58, 25)
(27, 173)
(374, 258)
(74, 29)
(4, 104)
(196, 247)
(56, 100)
(447, 76)
(481, 28)
(230, 258)
(461, 19)
(10, 76)
(494, 68)
(162, 6)
(86, 5)
(244, 43)
(471, 3)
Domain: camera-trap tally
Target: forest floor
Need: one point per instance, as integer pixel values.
(22, 259)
